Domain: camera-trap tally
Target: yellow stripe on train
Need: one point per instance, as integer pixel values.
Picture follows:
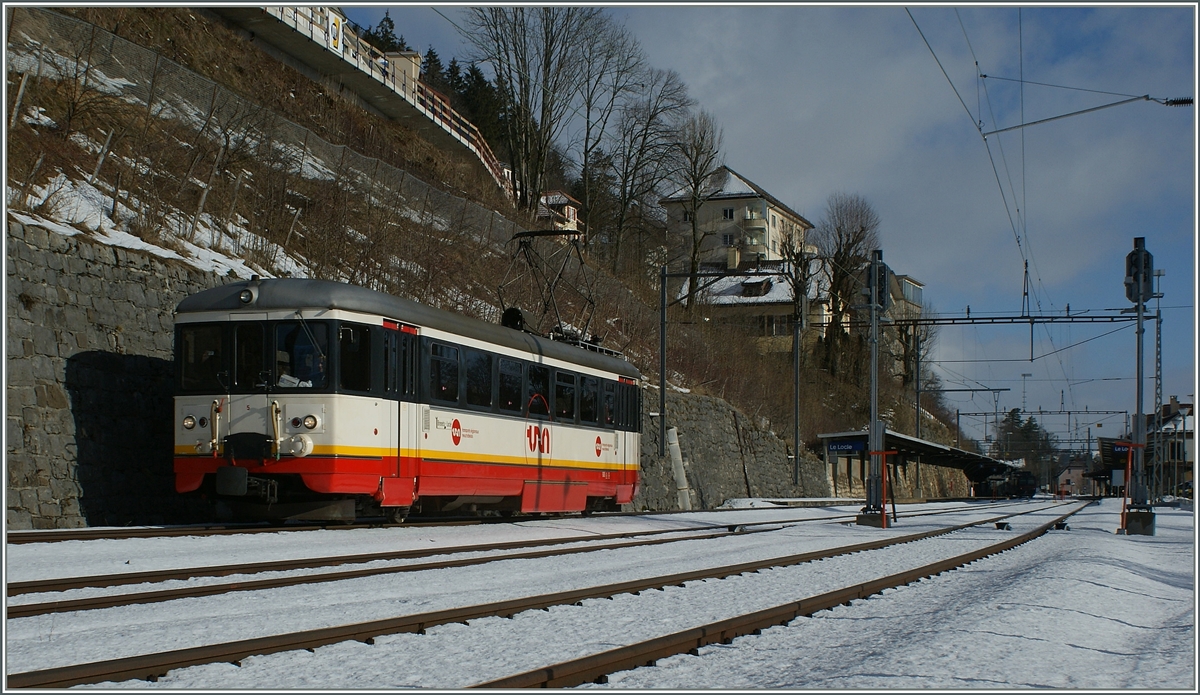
(454, 456)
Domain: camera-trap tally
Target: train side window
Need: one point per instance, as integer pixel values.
(443, 373)
(610, 404)
(630, 408)
(537, 391)
(510, 385)
(248, 360)
(201, 356)
(354, 357)
(389, 362)
(478, 366)
(589, 391)
(409, 354)
(564, 396)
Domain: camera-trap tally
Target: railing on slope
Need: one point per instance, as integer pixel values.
(429, 102)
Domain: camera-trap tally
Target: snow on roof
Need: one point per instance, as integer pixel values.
(725, 183)
(774, 288)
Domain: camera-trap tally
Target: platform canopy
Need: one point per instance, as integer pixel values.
(976, 467)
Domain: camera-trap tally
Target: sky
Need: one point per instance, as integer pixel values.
(1079, 608)
(817, 100)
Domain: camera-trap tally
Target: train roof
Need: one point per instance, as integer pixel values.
(298, 293)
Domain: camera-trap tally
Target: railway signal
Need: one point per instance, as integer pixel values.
(1139, 287)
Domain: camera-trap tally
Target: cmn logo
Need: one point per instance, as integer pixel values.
(456, 432)
(538, 439)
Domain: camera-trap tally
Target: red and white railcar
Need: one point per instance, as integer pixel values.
(321, 400)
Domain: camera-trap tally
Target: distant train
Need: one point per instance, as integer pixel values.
(310, 399)
(1014, 483)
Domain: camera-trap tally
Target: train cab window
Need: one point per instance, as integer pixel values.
(301, 355)
(537, 391)
(564, 396)
(510, 385)
(443, 373)
(610, 404)
(201, 359)
(248, 364)
(354, 357)
(478, 367)
(589, 391)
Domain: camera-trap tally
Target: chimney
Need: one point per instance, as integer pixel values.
(733, 259)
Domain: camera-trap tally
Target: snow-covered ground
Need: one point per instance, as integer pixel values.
(1083, 608)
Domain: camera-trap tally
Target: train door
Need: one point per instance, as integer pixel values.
(250, 419)
(402, 353)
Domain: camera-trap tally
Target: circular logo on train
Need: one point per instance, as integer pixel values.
(597, 446)
(456, 432)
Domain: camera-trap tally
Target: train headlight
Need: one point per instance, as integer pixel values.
(310, 421)
(295, 423)
(189, 422)
(203, 422)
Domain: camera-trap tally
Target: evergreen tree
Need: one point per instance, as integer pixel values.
(1018, 437)
(482, 106)
(432, 72)
(383, 36)
(455, 82)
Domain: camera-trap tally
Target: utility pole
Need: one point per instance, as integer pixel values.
(1158, 475)
(877, 290)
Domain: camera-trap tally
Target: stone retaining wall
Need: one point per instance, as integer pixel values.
(88, 431)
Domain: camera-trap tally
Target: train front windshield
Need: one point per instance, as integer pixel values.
(253, 356)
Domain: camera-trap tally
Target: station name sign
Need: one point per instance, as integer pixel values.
(848, 445)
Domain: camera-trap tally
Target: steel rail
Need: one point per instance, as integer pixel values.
(152, 666)
(97, 602)
(87, 534)
(154, 576)
(597, 667)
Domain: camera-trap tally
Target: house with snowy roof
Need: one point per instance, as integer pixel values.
(764, 302)
(740, 221)
(558, 210)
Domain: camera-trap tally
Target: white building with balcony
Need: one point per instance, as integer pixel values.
(739, 220)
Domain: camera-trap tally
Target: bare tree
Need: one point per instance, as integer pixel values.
(699, 151)
(803, 265)
(535, 53)
(846, 235)
(611, 63)
(643, 152)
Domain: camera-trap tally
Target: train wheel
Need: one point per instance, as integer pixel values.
(397, 515)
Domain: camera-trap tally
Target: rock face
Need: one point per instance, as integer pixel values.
(725, 456)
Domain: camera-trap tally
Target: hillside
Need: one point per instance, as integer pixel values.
(186, 136)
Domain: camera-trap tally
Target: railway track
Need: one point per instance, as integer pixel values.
(157, 576)
(151, 666)
(93, 603)
(88, 534)
(597, 667)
